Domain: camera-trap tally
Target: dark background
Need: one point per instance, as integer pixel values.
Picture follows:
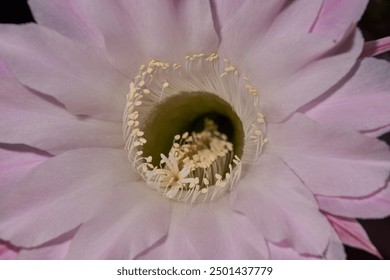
(374, 24)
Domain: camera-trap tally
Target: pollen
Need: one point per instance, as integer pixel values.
(202, 161)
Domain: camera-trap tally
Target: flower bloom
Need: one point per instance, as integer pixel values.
(191, 130)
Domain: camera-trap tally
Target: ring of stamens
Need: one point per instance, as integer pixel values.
(200, 165)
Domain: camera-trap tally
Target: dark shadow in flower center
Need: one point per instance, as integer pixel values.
(186, 112)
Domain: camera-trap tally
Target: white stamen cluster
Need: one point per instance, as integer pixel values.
(195, 164)
(199, 165)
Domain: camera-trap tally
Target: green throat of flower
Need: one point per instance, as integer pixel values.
(188, 129)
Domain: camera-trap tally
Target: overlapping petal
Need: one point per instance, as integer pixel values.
(281, 207)
(16, 162)
(77, 75)
(359, 98)
(28, 118)
(323, 156)
(132, 219)
(67, 17)
(352, 233)
(375, 205)
(60, 194)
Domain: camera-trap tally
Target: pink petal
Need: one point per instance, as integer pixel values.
(352, 233)
(53, 252)
(216, 232)
(375, 47)
(66, 18)
(29, 119)
(362, 101)
(330, 161)
(75, 74)
(4, 69)
(167, 248)
(337, 16)
(137, 31)
(7, 253)
(282, 57)
(224, 11)
(285, 252)
(335, 250)
(375, 133)
(133, 218)
(232, 17)
(15, 164)
(376, 205)
(60, 194)
(55, 249)
(281, 207)
(284, 93)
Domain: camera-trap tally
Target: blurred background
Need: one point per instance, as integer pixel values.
(374, 24)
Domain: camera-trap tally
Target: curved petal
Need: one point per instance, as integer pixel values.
(29, 119)
(362, 102)
(285, 91)
(132, 219)
(352, 233)
(330, 161)
(264, 20)
(335, 250)
(281, 207)
(223, 12)
(285, 252)
(284, 60)
(7, 253)
(209, 231)
(67, 18)
(221, 233)
(60, 194)
(376, 47)
(337, 16)
(53, 252)
(137, 31)
(167, 248)
(255, 17)
(16, 163)
(75, 74)
(376, 205)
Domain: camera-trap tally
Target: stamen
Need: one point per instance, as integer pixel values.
(200, 165)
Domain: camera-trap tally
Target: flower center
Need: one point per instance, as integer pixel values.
(189, 129)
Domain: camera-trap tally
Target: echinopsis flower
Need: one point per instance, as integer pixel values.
(191, 130)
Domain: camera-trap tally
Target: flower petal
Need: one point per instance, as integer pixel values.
(223, 11)
(7, 253)
(285, 252)
(53, 252)
(376, 205)
(281, 207)
(330, 161)
(15, 163)
(216, 232)
(29, 119)
(337, 16)
(375, 47)
(352, 233)
(132, 219)
(362, 101)
(60, 194)
(263, 20)
(286, 91)
(75, 74)
(66, 18)
(151, 29)
(167, 248)
(283, 58)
